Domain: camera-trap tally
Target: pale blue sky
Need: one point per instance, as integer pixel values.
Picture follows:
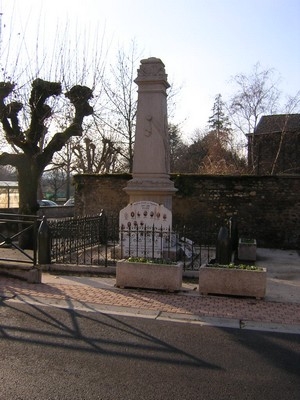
(202, 43)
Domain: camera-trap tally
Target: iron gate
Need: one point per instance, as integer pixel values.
(12, 227)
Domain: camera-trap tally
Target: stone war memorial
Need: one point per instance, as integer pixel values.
(146, 238)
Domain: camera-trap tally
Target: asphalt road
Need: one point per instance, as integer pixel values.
(51, 353)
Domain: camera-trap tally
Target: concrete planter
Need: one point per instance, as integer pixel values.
(149, 276)
(247, 250)
(237, 282)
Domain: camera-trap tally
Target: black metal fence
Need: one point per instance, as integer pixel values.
(83, 240)
(96, 240)
(12, 228)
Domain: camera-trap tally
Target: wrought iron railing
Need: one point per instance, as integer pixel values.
(167, 245)
(97, 240)
(83, 240)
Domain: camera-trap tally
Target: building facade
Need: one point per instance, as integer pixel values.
(274, 146)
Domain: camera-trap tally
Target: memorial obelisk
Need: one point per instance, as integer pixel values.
(151, 163)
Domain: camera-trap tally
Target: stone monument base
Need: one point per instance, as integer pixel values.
(158, 189)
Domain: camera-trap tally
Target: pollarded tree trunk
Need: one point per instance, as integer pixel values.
(28, 180)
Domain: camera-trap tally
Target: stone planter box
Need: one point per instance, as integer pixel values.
(237, 282)
(149, 276)
(247, 250)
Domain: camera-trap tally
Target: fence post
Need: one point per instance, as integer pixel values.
(44, 242)
(234, 235)
(223, 250)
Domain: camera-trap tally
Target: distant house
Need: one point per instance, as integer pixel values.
(274, 146)
(9, 194)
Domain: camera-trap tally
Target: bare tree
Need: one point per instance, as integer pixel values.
(54, 181)
(118, 122)
(257, 94)
(7, 173)
(33, 153)
(62, 164)
(73, 58)
(90, 159)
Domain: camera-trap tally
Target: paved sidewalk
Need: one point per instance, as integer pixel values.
(279, 311)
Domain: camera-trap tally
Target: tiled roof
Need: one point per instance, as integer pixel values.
(278, 123)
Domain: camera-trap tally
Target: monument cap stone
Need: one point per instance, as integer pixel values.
(152, 70)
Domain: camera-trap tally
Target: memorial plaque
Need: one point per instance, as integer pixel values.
(145, 229)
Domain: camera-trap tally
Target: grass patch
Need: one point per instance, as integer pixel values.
(234, 266)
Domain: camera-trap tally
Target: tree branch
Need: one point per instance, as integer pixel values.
(78, 96)
(41, 91)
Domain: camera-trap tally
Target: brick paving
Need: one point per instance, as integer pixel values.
(188, 302)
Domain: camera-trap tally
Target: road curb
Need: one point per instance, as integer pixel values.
(220, 322)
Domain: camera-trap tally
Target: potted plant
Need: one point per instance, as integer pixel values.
(231, 279)
(139, 272)
(247, 249)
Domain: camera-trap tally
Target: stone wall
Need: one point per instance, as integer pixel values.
(96, 192)
(49, 212)
(267, 207)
